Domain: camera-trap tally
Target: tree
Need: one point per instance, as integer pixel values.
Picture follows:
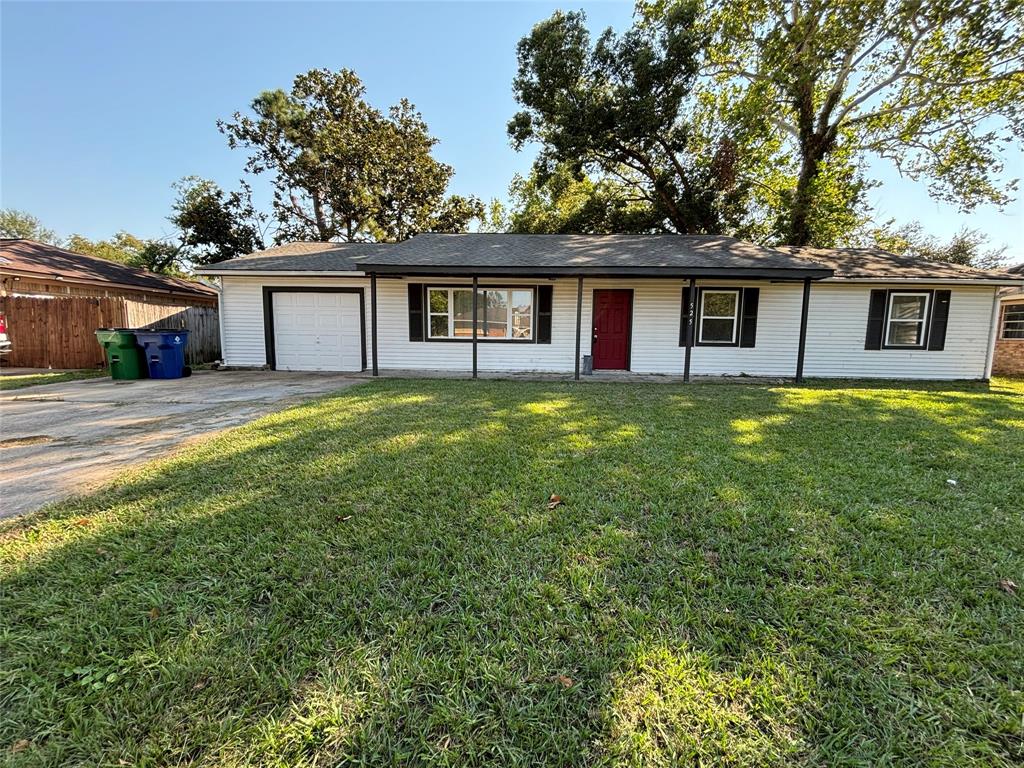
(622, 108)
(969, 247)
(342, 169)
(935, 86)
(23, 225)
(163, 256)
(213, 225)
(566, 202)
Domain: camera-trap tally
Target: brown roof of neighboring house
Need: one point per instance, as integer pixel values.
(48, 262)
(874, 263)
(301, 257)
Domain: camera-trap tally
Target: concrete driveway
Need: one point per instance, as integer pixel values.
(60, 440)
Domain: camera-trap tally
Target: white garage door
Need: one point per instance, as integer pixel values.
(317, 332)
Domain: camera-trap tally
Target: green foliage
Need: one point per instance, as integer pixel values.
(740, 575)
(25, 226)
(161, 256)
(969, 247)
(341, 168)
(565, 203)
(215, 226)
(622, 107)
(935, 87)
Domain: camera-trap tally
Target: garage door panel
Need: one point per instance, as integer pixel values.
(317, 331)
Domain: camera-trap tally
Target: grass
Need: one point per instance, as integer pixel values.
(17, 381)
(738, 575)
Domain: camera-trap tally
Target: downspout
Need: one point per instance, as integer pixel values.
(993, 334)
(220, 318)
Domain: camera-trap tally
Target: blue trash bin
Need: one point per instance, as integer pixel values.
(165, 351)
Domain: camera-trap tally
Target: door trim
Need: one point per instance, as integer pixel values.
(629, 327)
(268, 317)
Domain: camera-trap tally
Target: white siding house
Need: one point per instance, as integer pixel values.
(278, 312)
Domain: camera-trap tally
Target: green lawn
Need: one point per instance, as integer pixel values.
(17, 381)
(738, 575)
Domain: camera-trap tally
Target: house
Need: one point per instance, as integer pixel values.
(54, 299)
(1008, 356)
(30, 268)
(678, 305)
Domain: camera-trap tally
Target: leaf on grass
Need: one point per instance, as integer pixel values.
(340, 519)
(554, 501)
(21, 745)
(1009, 586)
(563, 680)
(83, 521)
(154, 613)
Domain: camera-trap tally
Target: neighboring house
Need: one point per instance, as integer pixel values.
(658, 304)
(54, 299)
(1008, 357)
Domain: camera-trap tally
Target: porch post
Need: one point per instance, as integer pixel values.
(579, 320)
(373, 319)
(803, 331)
(476, 283)
(691, 298)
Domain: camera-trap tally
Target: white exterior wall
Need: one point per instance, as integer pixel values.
(835, 336)
(241, 313)
(837, 322)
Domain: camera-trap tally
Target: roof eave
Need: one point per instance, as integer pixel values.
(616, 272)
(279, 273)
(988, 281)
(99, 282)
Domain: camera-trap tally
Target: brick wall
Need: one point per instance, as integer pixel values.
(1009, 353)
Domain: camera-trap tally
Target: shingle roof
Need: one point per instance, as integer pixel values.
(587, 254)
(874, 263)
(28, 257)
(301, 257)
(1017, 270)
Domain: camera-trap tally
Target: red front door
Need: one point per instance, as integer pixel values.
(612, 320)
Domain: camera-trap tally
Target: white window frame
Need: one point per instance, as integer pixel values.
(735, 317)
(1003, 322)
(922, 341)
(508, 290)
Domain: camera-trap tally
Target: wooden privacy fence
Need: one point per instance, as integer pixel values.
(60, 332)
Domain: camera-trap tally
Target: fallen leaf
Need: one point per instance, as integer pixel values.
(154, 613)
(20, 745)
(1008, 586)
(711, 557)
(554, 501)
(83, 521)
(343, 519)
(563, 680)
(200, 685)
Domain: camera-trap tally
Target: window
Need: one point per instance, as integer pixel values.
(502, 313)
(719, 314)
(1013, 321)
(906, 319)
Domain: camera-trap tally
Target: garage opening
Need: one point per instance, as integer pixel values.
(315, 330)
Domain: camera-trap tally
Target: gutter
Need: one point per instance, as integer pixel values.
(984, 281)
(275, 273)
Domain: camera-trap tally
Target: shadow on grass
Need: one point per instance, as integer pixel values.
(738, 575)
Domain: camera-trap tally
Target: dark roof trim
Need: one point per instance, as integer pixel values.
(663, 272)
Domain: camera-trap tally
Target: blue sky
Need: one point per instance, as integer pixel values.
(104, 105)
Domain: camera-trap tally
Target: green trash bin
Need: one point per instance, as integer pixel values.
(127, 360)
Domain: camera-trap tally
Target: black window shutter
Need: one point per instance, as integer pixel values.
(416, 311)
(748, 319)
(940, 318)
(544, 295)
(683, 311)
(876, 320)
